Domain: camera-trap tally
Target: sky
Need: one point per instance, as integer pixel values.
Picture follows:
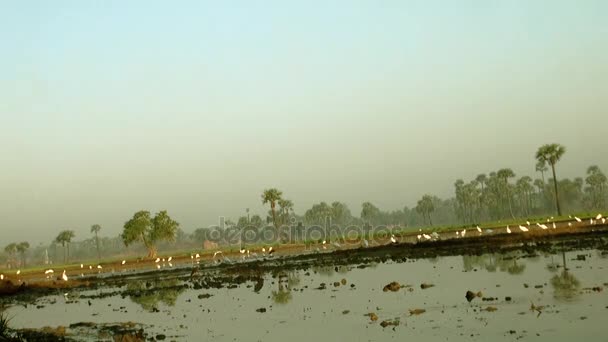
(110, 107)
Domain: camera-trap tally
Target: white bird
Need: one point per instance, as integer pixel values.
(365, 243)
(269, 249)
(81, 265)
(49, 271)
(123, 262)
(197, 256)
(457, 233)
(598, 217)
(1, 276)
(216, 253)
(64, 276)
(426, 236)
(554, 226)
(170, 258)
(18, 272)
(90, 267)
(464, 232)
(603, 220)
(577, 219)
(99, 267)
(528, 223)
(508, 230)
(157, 267)
(478, 229)
(523, 229)
(543, 226)
(569, 224)
(170, 265)
(419, 236)
(157, 260)
(324, 242)
(264, 250)
(242, 250)
(591, 222)
(393, 240)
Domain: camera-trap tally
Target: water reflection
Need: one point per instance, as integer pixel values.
(566, 286)
(492, 262)
(285, 283)
(148, 294)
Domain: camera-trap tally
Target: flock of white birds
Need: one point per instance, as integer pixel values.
(218, 256)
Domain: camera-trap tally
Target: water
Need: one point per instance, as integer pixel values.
(297, 311)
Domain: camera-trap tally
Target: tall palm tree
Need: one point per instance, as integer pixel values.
(505, 174)
(272, 196)
(22, 247)
(64, 238)
(95, 230)
(541, 166)
(551, 154)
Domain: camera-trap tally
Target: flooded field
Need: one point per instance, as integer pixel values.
(551, 291)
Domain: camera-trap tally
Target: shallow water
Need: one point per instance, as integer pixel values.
(297, 311)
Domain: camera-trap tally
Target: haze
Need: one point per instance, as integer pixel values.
(110, 107)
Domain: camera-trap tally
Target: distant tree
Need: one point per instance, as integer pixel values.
(285, 209)
(64, 238)
(369, 213)
(551, 154)
(95, 230)
(143, 228)
(272, 196)
(425, 207)
(541, 166)
(22, 247)
(596, 187)
(504, 175)
(10, 250)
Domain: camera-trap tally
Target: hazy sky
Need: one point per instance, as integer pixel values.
(109, 107)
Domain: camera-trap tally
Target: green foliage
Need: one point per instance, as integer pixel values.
(272, 196)
(551, 154)
(143, 228)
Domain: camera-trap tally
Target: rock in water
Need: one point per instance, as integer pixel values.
(393, 286)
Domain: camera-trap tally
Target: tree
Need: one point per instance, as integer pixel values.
(64, 238)
(504, 175)
(596, 187)
(285, 209)
(272, 196)
(551, 154)
(426, 207)
(143, 228)
(22, 247)
(369, 212)
(11, 249)
(541, 166)
(95, 230)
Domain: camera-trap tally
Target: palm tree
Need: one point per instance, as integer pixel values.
(64, 238)
(11, 249)
(505, 174)
(425, 207)
(95, 230)
(551, 154)
(541, 166)
(22, 248)
(272, 196)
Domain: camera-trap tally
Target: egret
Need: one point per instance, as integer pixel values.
(598, 217)
(81, 265)
(603, 220)
(157, 267)
(426, 236)
(99, 267)
(365, 243)
(577, 219)
(18, 272)
(264, 250)
(90, 267)
(1, 276)
(49, 271)
(478, 229)
(508, 230)
(64, 276)
(569, 224)
(543, 226)
(393, 240)
(523, 229)
(591, 222)
(242, 250)
(123, 262)
(197, 256)
(528, 223)
(464, 232)
(554, 226)
(170, 258)
(457, 234)
(157, 260)
(270, 250)
(324, 242)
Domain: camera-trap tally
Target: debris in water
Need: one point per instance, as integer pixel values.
(426, 286)
(393, 286)
(416, 311)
